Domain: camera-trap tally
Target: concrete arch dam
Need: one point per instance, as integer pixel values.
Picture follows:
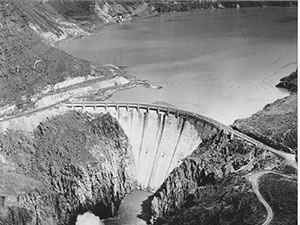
(160, 136)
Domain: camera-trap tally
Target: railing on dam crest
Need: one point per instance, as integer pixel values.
(153, 107)
(170, 110)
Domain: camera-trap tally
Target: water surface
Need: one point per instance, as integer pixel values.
(135, 209)
(220, 63)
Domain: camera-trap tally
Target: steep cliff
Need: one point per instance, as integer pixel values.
(209, 187)
(71, 164)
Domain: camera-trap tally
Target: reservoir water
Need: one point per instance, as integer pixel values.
(221, 63)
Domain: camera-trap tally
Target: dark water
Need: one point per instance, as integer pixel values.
(220, 63)
(134, 210)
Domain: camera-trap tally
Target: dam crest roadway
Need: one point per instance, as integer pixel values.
(162, 136)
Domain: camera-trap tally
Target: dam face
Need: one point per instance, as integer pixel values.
(160, 136)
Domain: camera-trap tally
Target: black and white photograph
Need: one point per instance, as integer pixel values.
(148, 112)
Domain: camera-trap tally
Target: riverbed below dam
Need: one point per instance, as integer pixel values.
(134, 210)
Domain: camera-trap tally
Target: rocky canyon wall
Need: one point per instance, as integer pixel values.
(69, 165)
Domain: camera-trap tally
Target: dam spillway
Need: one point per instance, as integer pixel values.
(161, 137)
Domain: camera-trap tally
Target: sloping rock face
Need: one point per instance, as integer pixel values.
(209, 187)
(276, 124)
(27, 63)
(71, 164)
(289, 82)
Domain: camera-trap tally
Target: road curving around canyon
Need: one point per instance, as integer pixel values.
(253, 178)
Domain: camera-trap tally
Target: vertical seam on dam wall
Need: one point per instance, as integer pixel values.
(158, 146)
(131, 121)
(176, 147)
(145, 122)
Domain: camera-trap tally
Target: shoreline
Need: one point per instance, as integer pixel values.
(156, 13)
(57, 44)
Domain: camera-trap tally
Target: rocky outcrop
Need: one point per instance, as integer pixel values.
(289, 82)
(71, 164)
(208, 187)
